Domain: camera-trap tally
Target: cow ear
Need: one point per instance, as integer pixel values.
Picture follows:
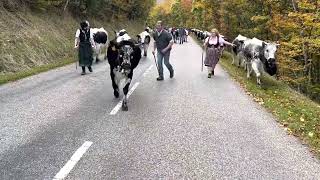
(264, 44)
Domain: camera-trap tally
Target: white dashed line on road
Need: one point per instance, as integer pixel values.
(118, 106)
(63, 173)
(147, 71)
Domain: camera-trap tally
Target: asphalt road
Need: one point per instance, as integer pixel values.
(187, 127)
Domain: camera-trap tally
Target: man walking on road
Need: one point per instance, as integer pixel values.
(163, 43)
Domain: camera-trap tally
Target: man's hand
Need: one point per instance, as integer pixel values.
(164, 50)
(76, 47)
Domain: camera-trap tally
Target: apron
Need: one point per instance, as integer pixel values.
(85, 49)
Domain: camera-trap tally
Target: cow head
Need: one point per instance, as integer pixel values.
(120, 33)
(269, 53)
(125, 57)
(124, 53)
(139, 39)
(239, 43)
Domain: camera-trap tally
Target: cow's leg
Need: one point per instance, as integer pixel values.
(94, 53)
(125, 92)
(106, 52)
(240, 59)
(255, 67)
(98, 53)
(243, 63)
(125, 99)
(145, 46)
(94, 56)
(233, 57)
(248, 64)
(114, 84)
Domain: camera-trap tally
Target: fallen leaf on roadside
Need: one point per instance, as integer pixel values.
(289, 131)
(310, 134)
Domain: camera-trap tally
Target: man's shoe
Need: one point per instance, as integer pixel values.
(83, 73)
(212, 72)
(209, 75)
(171, 74)
(90, 69)
(159, 78)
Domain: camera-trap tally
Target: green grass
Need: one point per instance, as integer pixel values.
(297, 114)
(31, 43)
(9, 77)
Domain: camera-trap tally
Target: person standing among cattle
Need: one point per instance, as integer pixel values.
(213, 45)
(163, 43)
(181, 34)
(84, 43)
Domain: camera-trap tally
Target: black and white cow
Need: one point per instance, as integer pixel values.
(100, 37)
(204, 35)
(144, 39)
(123, 56)
(260, 56)
(238, 49)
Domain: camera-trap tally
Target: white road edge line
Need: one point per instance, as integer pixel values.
(118, 106)
(63, 173)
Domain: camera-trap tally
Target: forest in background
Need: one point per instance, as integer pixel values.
(111, 9)
(294, 23)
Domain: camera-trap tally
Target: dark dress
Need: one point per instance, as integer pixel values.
(213, 55)
(85, 49)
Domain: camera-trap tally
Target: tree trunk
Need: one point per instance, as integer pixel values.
(294, 5)
(66, 5)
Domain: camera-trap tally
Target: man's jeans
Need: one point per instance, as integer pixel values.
(163, 57)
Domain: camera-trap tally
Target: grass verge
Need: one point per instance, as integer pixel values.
(9, 77)
(31, 43)
(297, 114)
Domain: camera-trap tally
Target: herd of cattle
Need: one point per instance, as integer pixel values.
(254, 54)
(124, 53)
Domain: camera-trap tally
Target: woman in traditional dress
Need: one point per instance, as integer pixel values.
(214, 45)
(84, 42)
